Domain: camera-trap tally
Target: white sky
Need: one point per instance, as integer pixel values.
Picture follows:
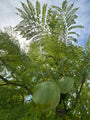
(8, 15)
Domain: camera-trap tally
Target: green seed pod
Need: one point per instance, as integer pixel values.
(46, 95)
(65, 84)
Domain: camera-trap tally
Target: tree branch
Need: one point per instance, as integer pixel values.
(83, 80)
(78, 93)
(7, 82)
(3, 84)
(4, 79)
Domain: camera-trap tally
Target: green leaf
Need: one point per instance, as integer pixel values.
(38, 10)
(70, 38)
(64, 5)
(26, 9)
(70, 7)
(57, 8)
(77, 26)
(44, 13)
(73, 33)
(72, 12)
(32, 10)
(22, 13)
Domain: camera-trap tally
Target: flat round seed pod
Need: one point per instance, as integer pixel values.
(65, 84)
(46, 95)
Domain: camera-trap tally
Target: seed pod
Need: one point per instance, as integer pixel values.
(65, 84)
(46, 95)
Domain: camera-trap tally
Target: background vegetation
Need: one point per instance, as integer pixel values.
(52, 55)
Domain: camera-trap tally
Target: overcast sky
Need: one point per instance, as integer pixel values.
(8, 15)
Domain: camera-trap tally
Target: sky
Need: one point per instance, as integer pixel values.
(8, 16)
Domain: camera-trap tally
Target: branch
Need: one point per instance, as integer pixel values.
(78, 93)
(83, 81)
(3, 84)
(7, 82)
(64, 106)
(62, 98)
(4, 79)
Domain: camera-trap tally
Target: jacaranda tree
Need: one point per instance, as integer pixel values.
(51, 80)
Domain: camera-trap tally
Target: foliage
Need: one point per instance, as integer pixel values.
(51, 57)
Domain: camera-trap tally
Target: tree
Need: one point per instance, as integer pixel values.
(52, 61)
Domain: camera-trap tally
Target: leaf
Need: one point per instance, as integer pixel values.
(72, 12)
(38, 10)
(71, 22)
(57, 8)
(44, 13)
(70, 38)
(26, 9)
(23, 14)
(31, 7)
(73, 33)
(77, 26)
(70, 18)
(70, 7)
(64, 5)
